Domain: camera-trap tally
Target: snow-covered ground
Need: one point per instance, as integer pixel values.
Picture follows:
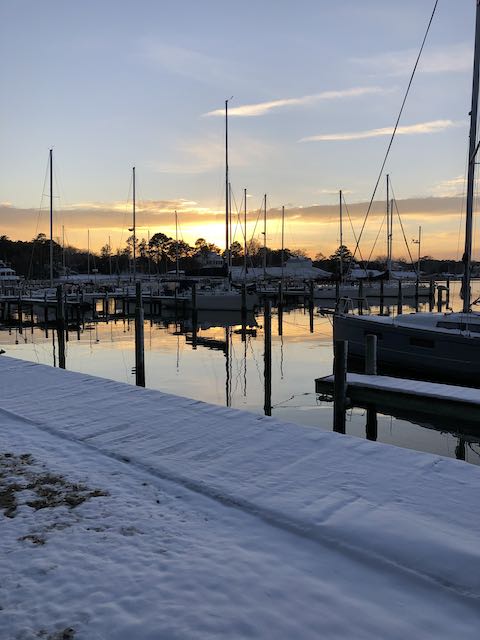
(127, 513)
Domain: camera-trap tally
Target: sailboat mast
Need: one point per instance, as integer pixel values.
(63, 248)
(264, 236)
(88, 252)
(176, 244)
(51, 216)
(245, 235)
(283, 240)
(230, 221)
(341, 237)
(389, 255)
(467, 256)
(227, 236)
(134, 229)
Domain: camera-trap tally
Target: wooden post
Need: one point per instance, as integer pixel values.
(440, 299)
(400, 298)
(371, 355)
(382, 296)
(78, 320)
(267, 357)
(337, 291)
(60, 327)
(194, 315)
(447, 296)
(360, 298)
(65, 314)
(416, 293)
(311, 305)
(371, 370)
(20, 314)
(431, 298)
(139, 342)
(339, 384)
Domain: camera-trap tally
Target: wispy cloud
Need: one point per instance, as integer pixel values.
(261, 108)
(207, 154)
(185, 62)
(448, 188)
(450, 59)
(434, 126)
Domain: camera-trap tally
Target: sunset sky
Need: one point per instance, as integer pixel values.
(316, 89)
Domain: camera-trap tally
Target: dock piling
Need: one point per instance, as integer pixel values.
(60, 327)
(139, 338)
(371, 427)
(267, 357)
(340, 384)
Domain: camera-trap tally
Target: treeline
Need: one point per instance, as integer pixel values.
(31, 259)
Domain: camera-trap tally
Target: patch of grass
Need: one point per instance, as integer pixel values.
(50, 490)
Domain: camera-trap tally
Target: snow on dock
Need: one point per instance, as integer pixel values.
(129, 513)
(454, 402)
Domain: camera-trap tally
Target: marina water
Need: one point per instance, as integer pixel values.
(224, 365)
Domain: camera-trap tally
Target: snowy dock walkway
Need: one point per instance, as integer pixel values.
(449, 401)
(198, 521)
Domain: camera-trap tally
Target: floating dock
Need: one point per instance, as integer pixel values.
(388, 394)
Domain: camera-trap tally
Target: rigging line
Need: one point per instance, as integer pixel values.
(401, 226)
(396, 125)
(351, 225)
(376, 239)
(39, 213)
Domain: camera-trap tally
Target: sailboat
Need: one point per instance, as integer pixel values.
(371, 287)
(445, 345)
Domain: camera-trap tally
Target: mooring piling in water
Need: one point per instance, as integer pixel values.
(139, 338)
(400, 298)
(340, 349)
(60, 327)
(371, 427)
(310, 305)
(267, 357)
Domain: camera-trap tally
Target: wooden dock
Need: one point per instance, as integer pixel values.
(402, 397)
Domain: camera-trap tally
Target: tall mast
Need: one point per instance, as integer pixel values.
(109, 256)
(227, 234)
(51, 217)
(245, 235)
(467, 256)
(134, 229)
(283, 239)
(392, 201)
(230, 221)
(341, 237)
(264, 236)
(63, 248)
(389, 256)
(176, 244)
(88, 252)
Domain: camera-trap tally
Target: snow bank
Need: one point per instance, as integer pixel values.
(311, 534)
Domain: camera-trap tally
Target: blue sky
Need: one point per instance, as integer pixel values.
(114, 84)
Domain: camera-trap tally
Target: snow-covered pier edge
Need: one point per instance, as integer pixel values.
(282, 530)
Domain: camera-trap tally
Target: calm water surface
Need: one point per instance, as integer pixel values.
(224, 369)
